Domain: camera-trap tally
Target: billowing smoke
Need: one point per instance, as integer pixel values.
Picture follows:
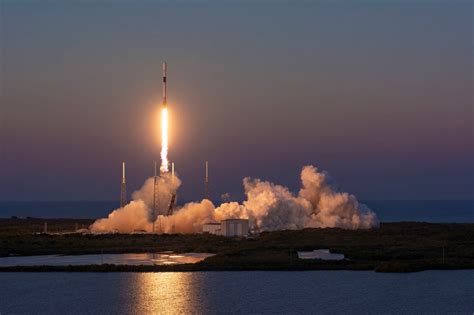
(268, 207)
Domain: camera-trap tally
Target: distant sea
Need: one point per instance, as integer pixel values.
(386, 210)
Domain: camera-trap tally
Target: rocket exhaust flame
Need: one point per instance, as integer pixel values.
(164, 168)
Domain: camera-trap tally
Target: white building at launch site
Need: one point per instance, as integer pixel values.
(229, 227)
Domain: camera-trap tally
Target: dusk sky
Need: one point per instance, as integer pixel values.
(378, 93)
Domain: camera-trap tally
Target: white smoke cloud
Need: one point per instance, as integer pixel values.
(138, 214)
(268, 207)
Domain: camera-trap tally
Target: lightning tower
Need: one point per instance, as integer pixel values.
(123, 188)
(206, 182)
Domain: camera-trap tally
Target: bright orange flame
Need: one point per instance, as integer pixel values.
(164, 168)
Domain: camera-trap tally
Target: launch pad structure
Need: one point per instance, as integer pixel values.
(156, 200)
(173, 194)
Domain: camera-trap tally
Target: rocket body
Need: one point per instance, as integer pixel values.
(164, 85)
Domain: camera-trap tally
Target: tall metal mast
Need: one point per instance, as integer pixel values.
(206, 182)
(123, 188)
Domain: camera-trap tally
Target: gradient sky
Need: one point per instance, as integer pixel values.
(380, 94)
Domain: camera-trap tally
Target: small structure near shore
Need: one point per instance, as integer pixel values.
(323, 254)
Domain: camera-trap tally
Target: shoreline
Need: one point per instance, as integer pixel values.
(380, 267)
(393, 247)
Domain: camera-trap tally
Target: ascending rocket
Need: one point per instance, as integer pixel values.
(164, 85)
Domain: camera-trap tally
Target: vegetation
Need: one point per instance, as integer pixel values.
(394, 247)
(19, 226)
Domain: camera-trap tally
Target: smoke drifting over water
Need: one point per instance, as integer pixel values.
(268, 207)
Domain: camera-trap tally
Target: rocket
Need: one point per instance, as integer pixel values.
(164, 85)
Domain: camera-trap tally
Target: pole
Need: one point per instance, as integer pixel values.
(154, 200)
(123, 188)
(206, 182)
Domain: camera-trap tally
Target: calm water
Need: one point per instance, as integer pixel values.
(322, 292)
(116, 259)
(387, 210)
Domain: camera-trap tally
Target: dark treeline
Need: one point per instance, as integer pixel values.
(28, 225)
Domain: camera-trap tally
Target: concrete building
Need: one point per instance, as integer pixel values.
(229, 227)
(212, 228)
(235, 227)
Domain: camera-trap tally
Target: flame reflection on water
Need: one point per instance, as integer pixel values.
(164, 293)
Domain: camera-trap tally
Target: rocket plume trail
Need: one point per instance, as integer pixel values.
(164, 168)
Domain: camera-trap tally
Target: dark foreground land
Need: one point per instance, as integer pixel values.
(394, 247)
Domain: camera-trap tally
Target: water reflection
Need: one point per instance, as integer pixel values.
(165, 293)
(116, 259)
(309, 292)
